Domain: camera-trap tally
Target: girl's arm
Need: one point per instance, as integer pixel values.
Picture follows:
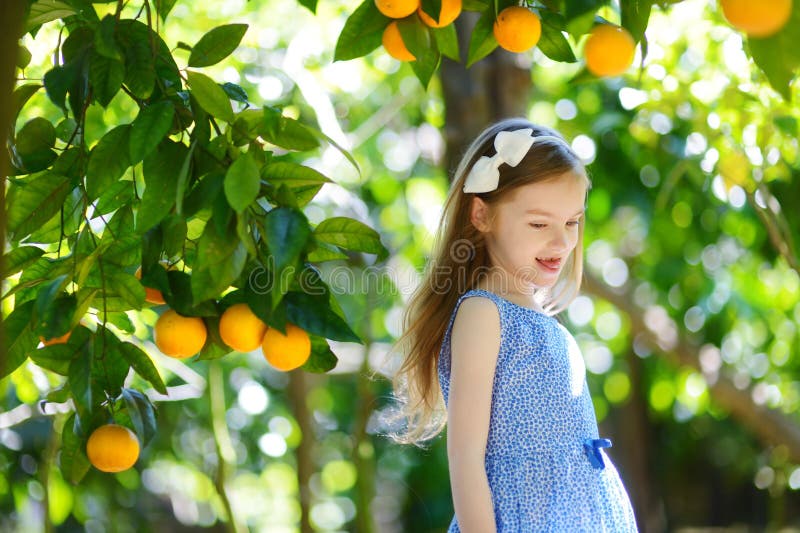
(475, 344)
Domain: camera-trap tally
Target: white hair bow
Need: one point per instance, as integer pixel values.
(511, 147)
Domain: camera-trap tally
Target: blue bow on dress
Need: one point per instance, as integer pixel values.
(592, 449)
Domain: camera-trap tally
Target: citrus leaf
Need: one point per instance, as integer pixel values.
(36, 135)
(57, 357)
(19, 338)
(79, 377)
(311, 5)
(220, 260)
(106, 76)
(160, 184)
(118, 194)
(216, 45)
(349, 234)
(163, 7)
(362, 32)
(33, 202)
(417, 38)
(292, 174)
(108, 161)
(482, 41)
(18, 258)
(778, 67)
(322, 253)
(635, 15)
(21, 96)
(73, 461)
(104, 42)
(142, 414)
(57, 81)
(242, 182)
(322, 358)
(553, 43)
(313, 314)
(126, 286)
(45, 11)
(143, 365)
(286, 132)
(140, 70)
(210, 96)
(109, 367)
(447, 41)
(432, 8)
(287, 233)
(148, 129)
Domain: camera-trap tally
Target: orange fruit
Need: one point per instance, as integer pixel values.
(517, 29)
(241, 329)
(56, 340)
(394, 45)
(112, 448)
(286, 352)
(397, 9)
(760, 18)
(151, 295)
(609, 50)
(450, 11)
(179, 336)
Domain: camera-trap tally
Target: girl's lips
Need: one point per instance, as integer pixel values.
(551, 265)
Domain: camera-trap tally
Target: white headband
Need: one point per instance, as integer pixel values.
(511, 147)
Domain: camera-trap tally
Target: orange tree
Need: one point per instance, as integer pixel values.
(185, 179)
(769, 26)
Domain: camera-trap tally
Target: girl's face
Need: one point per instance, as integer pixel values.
(531, 232)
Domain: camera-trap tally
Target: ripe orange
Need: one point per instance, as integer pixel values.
(517, 29)
(397, 9)
(286, 352)
(241, 329)
(151, 295)
(56, 340)
(112, 448)
(179, 336)
(609, 50)
(450, 11)
(757, 19)
(393, 43)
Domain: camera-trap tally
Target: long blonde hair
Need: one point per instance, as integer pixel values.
(458, 262)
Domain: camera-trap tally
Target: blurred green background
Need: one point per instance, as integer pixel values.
(688, 320)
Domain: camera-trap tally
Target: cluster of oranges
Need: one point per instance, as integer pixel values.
(609, 49)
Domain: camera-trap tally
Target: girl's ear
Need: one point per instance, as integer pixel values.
(479, 214)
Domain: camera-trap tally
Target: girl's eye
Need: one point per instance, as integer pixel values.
(535, 225)
(573, 223)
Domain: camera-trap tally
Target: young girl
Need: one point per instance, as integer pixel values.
(485, 355)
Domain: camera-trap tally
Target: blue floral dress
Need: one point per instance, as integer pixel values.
(545, 463)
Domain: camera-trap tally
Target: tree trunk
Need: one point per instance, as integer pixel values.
(494, 88)
(305, 467)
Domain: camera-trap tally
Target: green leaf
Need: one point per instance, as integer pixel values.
(432, 8)
(311, 5)
(108, 161)
(292, 174)
(20, 97)
(19, 338)
(482, 41)
(210, 96)
(173, 229)
(140, 70)
(127, 286)
(362, 32)
(322, 359)
(104, 42)
(553, 43)
(18, 258)
(635, 15)
(143, 365)
(118, 194)
(242, 182)
(235, 92)
(286, 132)
(151, 125)
(142, 414)
(79, 377)
(778, 56)
(57, 357)
(160, 184)
(287, 232)
(350, 234)
(55, 317)
(109, 367)
(417, 39)
(447, 41)
(33, 202)
(57, 82)
(313, 314)
(220, 259)
(66, 130)
(74, 463)
(216, 45)
(163, 7)
(322, 253)
(106, 76)
(36, 135)
(45, 11)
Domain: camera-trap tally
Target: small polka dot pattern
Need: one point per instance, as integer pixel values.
(546, 466)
